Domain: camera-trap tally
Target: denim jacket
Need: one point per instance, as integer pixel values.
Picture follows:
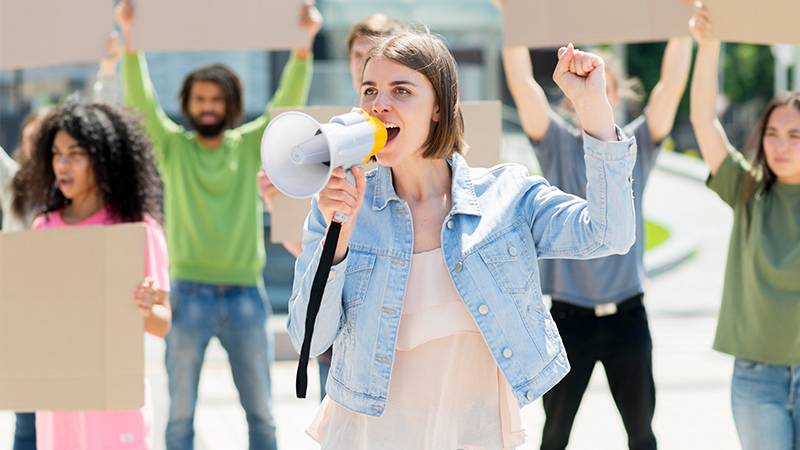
(501, 222)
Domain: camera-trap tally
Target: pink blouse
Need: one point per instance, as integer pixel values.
(446, 391)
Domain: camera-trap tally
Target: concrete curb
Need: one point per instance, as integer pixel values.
(680, 246)
(684, 166)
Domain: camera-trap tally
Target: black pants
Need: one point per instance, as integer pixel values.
(622, 343)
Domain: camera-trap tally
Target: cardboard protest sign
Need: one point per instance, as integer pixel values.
(70, 336)
(553, 23)
(288, 216)
(483, 131)
(772, 22)
(198, 25)
(37, 33)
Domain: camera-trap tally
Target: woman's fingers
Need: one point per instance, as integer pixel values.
(565, 56)
(339, 196)
(583, 63)
(361, 184)
(700, 24)
(342, 184)
(342, 194)
(576, 62)
(588, 63)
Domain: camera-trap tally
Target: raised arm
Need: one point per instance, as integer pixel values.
(138, 89)
(563, 225)
(531, 101)
(711, 136)
(293, 87)
(295, 80)
(666, 95)
(106, 88)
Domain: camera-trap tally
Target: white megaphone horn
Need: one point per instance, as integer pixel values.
(300, 153)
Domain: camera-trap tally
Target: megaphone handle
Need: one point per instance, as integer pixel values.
(338, 216)
(314, 303)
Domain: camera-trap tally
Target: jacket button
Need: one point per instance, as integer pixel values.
(458, 266)
(484, 310)
(450, 225)
(529, 395)
(512, 250)
(507, 353)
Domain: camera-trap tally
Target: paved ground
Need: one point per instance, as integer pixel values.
(693, 381)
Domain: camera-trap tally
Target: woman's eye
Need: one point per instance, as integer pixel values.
(369, 91)
(402, 91)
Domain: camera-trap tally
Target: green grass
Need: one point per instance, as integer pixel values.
(669, 146)
(655, 235)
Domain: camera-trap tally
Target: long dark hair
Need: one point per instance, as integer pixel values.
(761, 176)
(120, 155)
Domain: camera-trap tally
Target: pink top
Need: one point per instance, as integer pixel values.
(446, 390)
(88, 430)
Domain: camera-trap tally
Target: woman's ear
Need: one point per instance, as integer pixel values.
(435, 116)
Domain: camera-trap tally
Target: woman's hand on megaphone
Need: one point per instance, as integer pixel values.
(339, 195)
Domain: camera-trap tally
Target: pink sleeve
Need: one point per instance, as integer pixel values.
(156, 263)
(39, 222)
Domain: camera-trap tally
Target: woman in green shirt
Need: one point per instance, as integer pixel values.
(759, 321)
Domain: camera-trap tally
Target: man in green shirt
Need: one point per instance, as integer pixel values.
(214, 226)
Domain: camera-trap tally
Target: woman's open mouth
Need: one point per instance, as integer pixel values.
(392, 131)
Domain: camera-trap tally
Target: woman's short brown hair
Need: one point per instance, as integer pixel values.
(374, 27)
(427, 54)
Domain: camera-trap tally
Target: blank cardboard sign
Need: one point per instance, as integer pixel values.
(37, 33)
(483, 133)
(288, 217)
(196, 25)
(70, 335)
(553, 23)
(771, 22)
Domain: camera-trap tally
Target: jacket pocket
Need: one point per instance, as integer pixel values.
(511, 259)
(360, 265)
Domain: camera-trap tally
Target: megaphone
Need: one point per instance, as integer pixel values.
(299, 153)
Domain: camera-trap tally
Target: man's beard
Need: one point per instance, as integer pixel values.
(207, 130)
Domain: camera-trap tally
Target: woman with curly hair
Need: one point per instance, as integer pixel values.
(92, 165)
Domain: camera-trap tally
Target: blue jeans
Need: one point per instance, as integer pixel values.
(766, 405)
(25, 432)
(236, 315)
